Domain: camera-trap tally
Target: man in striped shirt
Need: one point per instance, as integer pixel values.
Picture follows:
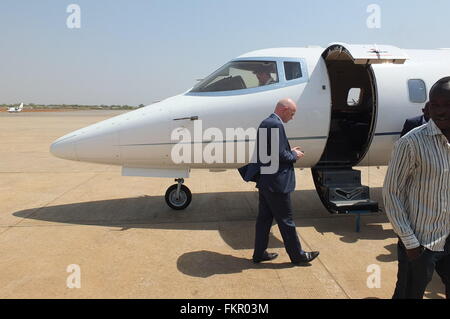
(416, 196)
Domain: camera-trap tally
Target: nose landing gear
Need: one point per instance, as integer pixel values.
(178, 196)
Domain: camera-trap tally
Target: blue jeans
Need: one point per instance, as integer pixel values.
(414, 275)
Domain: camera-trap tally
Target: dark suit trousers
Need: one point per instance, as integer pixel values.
(278, 206)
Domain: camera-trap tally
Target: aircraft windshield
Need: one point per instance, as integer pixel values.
(238, 75)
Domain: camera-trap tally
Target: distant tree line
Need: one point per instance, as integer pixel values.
(75, 106)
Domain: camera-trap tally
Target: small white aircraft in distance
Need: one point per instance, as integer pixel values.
(352, 103)
(16, 109)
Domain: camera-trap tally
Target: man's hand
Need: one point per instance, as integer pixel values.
(414, 253)
(298, 152)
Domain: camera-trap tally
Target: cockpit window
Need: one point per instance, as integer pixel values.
(292, 70)
(238, 75)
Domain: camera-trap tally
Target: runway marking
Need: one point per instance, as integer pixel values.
(51, 201)
(326, 268)
(281, 283)
(140, 223)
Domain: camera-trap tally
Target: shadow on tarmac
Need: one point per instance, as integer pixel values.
(232, 214)
(204, 264)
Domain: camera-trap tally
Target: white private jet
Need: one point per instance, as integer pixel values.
(352, 103)
(16, 109)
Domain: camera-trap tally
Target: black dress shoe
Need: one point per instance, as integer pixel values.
(265, 257)
(307, 257)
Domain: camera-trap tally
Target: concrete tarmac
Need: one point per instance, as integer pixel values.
(126, 243)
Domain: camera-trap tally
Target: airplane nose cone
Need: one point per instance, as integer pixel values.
(64, 149)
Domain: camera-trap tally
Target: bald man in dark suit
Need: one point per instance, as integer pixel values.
(275, 188)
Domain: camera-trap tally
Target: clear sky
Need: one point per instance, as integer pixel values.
(133, 52)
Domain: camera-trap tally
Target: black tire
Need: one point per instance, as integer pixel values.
(182, 202)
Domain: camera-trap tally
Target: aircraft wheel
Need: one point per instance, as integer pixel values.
(181, 201)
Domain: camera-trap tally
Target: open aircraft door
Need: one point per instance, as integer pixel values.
(352, 124)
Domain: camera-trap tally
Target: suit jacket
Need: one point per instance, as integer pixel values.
(282, 181)
(411, 124)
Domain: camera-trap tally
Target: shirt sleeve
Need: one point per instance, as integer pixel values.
(287, 156)
(395, 193)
